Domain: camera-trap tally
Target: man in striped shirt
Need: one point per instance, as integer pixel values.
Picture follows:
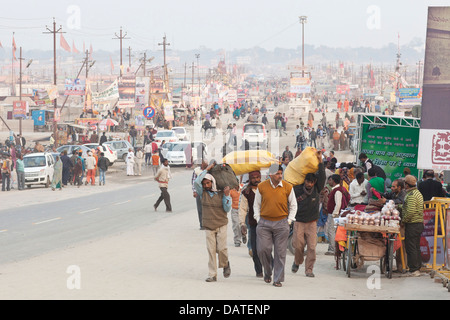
(412, 218)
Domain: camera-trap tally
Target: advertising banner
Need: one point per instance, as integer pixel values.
(300, 85)
(392, 148)
(41, 98)
(142, 92)
(127, 89)
(39, 117)
(409, 97)
(434, 141)
(232, 96)
(19, 109)
(74, 87)
(342, 89)
(110, 93)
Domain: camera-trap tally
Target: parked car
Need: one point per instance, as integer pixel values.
(175, 152)
(110, 154)
(166, 135)
(254, 133)
(121, 147)
(39, 168)
(73, 147)
(182, 134)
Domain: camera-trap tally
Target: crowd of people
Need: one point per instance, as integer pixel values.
(265, 211)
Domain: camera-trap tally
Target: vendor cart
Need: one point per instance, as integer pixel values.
(370, 243)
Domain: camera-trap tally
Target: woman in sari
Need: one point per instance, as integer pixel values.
(57, 174)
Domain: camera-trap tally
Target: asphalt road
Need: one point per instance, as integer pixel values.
(34, 229)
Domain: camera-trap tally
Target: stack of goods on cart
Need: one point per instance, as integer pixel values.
(389, 216)
(364, 218)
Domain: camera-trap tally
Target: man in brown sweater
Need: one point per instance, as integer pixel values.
(215, 206)
(274, 209)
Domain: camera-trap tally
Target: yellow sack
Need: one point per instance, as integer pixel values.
(243, 162)
(300, 166)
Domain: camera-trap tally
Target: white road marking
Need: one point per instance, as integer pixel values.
(119, 203)
(149, 195)
(45, 221)
(87, 211)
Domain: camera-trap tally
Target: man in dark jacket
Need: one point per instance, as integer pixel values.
(102, 164)
(431, 188)
(67, 166)
(308, 212)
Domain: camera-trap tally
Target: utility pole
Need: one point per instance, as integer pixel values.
(13, 87)
(197, 55)
(20, 88)
(88, 64)
(20, 84)
(121, 37)
(54, 32)
(419, 71)
(192, 78)
(129, 57)
(303, 20)
(166, 75)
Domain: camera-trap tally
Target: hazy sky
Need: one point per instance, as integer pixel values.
(228, 24)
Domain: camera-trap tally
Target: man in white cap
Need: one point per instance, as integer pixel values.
(215, 206)
(274, 210)
(90, 167)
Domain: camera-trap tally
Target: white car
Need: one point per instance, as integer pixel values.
(110, 154)
(255, 133)
(166, 136)
(182, 133)
(39, 168)
(175, 152)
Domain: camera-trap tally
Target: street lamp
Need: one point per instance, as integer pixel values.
(303, 20)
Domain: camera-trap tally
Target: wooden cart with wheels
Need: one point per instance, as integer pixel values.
(383, 236)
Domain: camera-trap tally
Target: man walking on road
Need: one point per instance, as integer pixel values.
(163, 176)
(198, 199)
(308, 212)
(274, 209)
(215, 206)
(246, 212)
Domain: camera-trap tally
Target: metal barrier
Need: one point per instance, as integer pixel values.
(441, 206)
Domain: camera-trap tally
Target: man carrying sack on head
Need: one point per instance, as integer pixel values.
(215, 206)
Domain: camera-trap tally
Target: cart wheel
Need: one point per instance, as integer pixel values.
(383, 265)
(349, 258)
(390, 262)
(344, 259)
